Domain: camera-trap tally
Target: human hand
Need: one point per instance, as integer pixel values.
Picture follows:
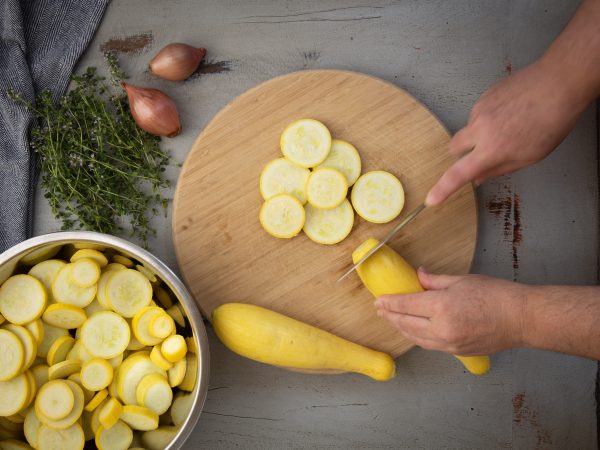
(463, 315)
(515, 123)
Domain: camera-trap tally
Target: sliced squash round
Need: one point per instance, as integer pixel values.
(14, 394)
(378, 196)
(345, 158)
(46, 272)
(12, 356)
(40, 374)
(306, 142)
(128, 291)
(96, 374)
(161, 326)
(117, 437)
(181, 407)
(105, 334)
(176, 373)
(282, 216)
(96, 400)
(173, 348)
(28, 341)
(36, 328)
(281, 176)
(92, 254)
(31, 427)
(85, 272)
(63, 369)
(65, 291)
(64, 315)
(141, 325)
(139, 417)
(329, 226)
(131, 373)
(123, 260)
(154, 392)
(110, 412)
(71, 438)
(55, 400)
(191, 373)
(22, 299)
(157, 358)
(51, 334)
(326, 188)
(70, 418)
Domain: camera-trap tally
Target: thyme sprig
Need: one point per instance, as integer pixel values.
(99, 170)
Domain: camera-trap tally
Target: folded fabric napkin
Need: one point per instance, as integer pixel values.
(40, 43)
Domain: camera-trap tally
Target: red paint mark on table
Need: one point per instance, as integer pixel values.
(508, 68)
(523, 415)
(508, 207)
(128, 44)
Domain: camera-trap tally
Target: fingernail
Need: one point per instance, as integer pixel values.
(377, 303)
(421, 269)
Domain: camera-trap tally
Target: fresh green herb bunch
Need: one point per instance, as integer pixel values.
(99, 170)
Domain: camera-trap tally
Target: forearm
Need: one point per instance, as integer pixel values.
(572, 62)
(563, 319)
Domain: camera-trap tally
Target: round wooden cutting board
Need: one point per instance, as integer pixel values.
(224, 254)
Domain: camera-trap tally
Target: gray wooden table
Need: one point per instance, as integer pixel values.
(537, 226)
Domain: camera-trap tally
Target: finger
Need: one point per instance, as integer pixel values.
(436, 282)
(416, 326)
(467, 168)
(413, 304)
(462, 142)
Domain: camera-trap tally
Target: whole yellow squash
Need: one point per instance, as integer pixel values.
(387, 273)
(272, 338)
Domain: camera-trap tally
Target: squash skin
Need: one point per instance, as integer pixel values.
(272, 338)
(387, 273)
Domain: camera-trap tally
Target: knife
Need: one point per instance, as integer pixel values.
(414, 213)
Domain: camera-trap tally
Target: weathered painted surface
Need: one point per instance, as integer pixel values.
(537, 226)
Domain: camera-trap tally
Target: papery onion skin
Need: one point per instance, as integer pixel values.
(177, 61)
(153, 110)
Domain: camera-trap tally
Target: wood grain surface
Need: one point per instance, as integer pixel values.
(224, 254)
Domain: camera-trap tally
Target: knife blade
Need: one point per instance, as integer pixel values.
(413, 214)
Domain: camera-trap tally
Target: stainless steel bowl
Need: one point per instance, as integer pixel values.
(18, 255)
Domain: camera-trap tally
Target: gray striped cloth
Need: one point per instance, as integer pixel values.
(40, 42)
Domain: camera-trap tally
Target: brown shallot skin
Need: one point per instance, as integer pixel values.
(153, 110)
(177, 61)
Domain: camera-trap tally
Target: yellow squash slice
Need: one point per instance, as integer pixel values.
(281, 176)
(46, 272)
(92, 254)
(60, 349)
(64, 368)
(154, 393)
(128, 291)
(31, 427)
(63, 315)
(36, 328)
(139, 417)
(70, 438)
(181, 407)
(51, 334)
(191, 372)
(326, 188)
(55, 400)
(29, 344)
(134, 368)
(22, 299)
(85, 272)
(306, 142)
(123, 260)
(70, 418)
(65, 291)
(96, 400)
(177, 314)
(141, 325)
(282, 216)
(378, 196)
(329, 226)
(96, 374)
(157, 358)
(15, 393)
(117, 437)
(110, 412)
(174, 348)
(161, 326)
(176, 373)
(345, 158)
(163, 297)
(160, 438)
(12, 356)
(105, 334)
(40, 374)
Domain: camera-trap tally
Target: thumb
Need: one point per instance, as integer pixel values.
(435, 282)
